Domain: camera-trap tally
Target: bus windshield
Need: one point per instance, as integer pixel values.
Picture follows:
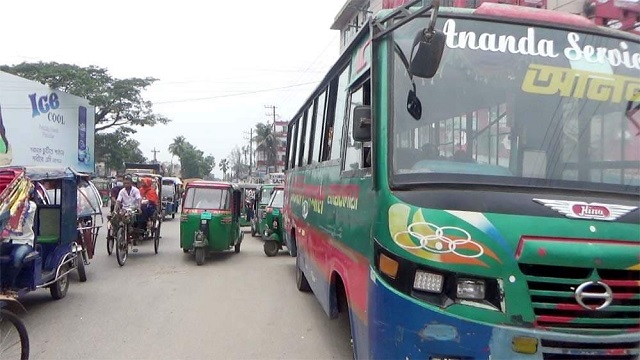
(518, 105)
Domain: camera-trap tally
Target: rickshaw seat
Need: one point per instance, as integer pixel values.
(52, 239)
(48, 225)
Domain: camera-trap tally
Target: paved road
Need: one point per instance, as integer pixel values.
(236, 306)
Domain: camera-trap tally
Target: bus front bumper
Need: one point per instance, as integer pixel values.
(404, 328)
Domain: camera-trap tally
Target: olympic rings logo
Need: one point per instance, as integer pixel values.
(440, 242)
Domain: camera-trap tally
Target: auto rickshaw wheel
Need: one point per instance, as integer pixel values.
(200, 254)
(271, 248)
(173, 216)
(59, 288)
(10, 324)
(236, 248)
(82, 273)
(186, 251)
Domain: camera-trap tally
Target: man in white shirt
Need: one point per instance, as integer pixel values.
(129, 196)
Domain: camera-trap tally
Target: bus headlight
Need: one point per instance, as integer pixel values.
(470, 289)
(428, 282)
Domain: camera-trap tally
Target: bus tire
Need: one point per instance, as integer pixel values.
(344, 311)
(301, 281)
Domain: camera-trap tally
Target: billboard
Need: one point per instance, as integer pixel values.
(45, 127)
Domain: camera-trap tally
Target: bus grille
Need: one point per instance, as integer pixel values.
(552, 290)
(563, 350)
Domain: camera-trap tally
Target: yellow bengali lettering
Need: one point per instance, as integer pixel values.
(552, 80)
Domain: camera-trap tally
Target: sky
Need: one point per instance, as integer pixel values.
(219, 63)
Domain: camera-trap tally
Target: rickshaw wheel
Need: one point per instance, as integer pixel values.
(8, 320)
(186, 251)
(236, 248)
(110, 244)
(59, 288)
(156, 236)
(122, 248)
(200, 254)
(82, 273)
(271, 248)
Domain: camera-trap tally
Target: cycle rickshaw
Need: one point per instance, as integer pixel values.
(124, 230)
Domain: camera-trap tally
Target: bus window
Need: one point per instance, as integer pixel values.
(309, 134)
(335, 131)
(304, 129)
(353, 155)
(319, 126)
(292, 145)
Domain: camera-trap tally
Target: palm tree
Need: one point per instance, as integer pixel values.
(178, 146)
(266, 143)
(224, 166)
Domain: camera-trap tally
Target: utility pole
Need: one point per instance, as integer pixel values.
(154, 151)
(273, 114)
(250, 150)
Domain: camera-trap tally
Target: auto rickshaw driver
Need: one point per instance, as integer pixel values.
(19, 242)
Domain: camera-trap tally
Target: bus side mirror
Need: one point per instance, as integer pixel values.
(426, 53)
(362, 123)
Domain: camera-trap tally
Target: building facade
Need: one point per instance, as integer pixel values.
(261, 165)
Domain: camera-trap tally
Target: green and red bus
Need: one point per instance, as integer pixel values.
(486, 210)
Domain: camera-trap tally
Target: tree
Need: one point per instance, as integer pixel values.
(237, 165)
(116, 148)
(224, 166)
(178, 146)
(193, 162)
(118, 102)
(267, 143)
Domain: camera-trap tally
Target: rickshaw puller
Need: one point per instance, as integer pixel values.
(129, 196)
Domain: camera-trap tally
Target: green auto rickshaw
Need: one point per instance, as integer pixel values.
(263, 195)
(210, 218)
(274, 232)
